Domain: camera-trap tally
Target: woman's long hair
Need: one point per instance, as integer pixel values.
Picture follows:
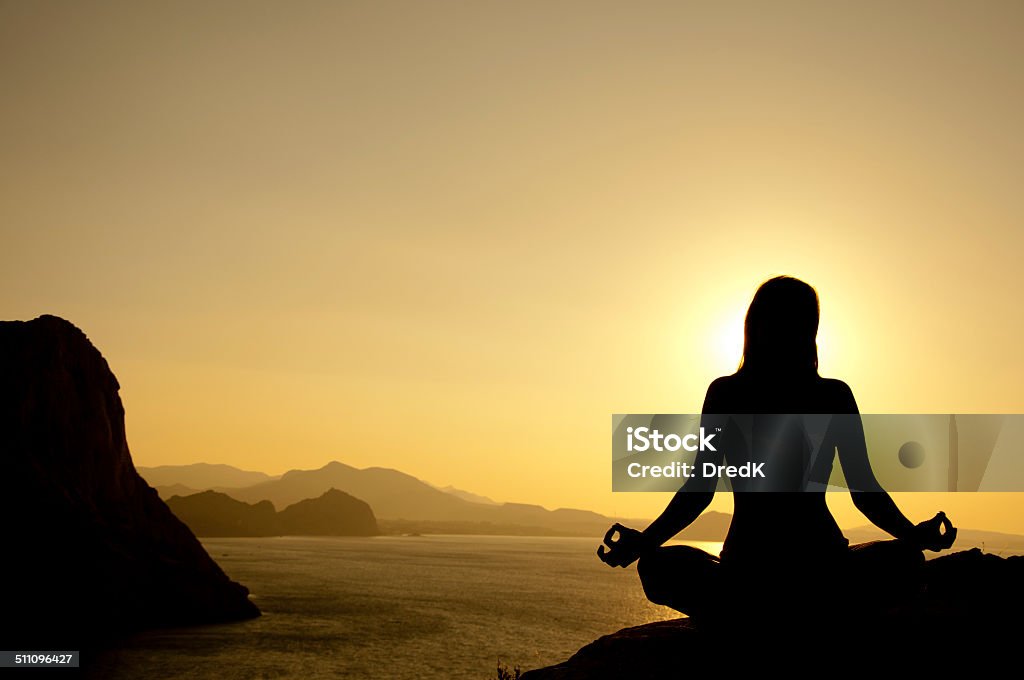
(780, 331)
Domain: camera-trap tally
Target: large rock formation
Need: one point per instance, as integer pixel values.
(968, 613)
(90, 550)
(210, 513)
(335, 513)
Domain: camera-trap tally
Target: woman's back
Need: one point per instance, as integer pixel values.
(785, 523)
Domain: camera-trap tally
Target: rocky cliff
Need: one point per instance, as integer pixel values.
(90, 550)
(967, 615)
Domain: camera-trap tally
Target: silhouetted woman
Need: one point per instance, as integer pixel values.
(784, 550)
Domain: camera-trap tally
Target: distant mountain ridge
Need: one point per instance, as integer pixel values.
(175, 490)
(202, 476)
(468, 495)
(404, 504)
(409, 504)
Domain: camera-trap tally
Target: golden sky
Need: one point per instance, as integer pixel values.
(454, 237)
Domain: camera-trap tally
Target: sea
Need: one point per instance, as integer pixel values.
(397, 608)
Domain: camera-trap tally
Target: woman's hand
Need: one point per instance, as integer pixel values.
(934, 534)
(623, 550)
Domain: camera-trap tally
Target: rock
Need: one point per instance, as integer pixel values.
(210, 513)
(90, 550)
(649, 651)
(968, 611)
(334, 513)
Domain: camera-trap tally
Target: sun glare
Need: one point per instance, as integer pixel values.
(727, 340)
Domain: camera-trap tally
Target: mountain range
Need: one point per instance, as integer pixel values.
(201, 476)
(403, 503)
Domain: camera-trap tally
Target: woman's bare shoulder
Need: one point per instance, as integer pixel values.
(834, 386)
(837, 392)
(721, 393)
(724, 383)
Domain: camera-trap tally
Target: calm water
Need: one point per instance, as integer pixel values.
(398, 607)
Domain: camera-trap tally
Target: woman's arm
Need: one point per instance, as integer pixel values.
(697, 493)
(868, 495)
(686, 505)
(682, 510)
(627, 545)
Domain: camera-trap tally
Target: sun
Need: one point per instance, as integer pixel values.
(727, 342)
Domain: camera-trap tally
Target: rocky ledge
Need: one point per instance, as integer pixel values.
(968, 612)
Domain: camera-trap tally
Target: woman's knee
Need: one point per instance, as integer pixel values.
(888, 553)
(904, 555)
(650, 568)
(663, 571)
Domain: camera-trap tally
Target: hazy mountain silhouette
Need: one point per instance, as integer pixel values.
(201, 476)
(493, 518)
(166, 492)
(335, 513)
(391, 494)
(89, 548)
(468, 495)
(403, 503)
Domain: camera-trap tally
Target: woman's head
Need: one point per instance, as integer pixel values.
(780, 330)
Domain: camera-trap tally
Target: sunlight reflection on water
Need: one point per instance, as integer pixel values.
(398, 607)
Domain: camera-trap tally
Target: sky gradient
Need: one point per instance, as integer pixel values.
(452, 238)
